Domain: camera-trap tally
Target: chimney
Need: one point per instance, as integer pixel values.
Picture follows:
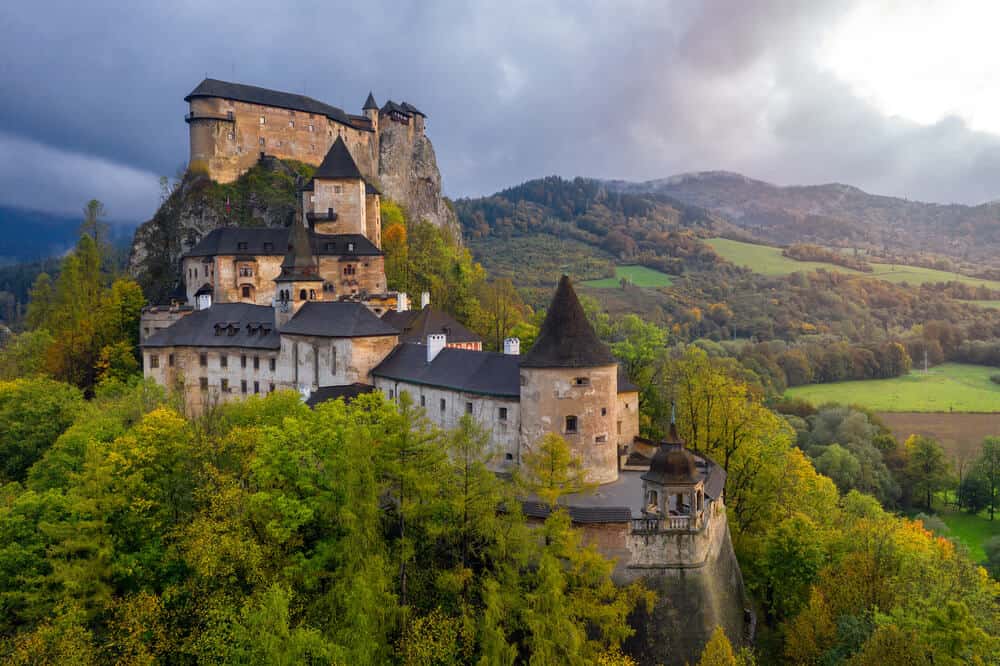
(402, 302)
(512, 346)
(435, 343)
(425, 299)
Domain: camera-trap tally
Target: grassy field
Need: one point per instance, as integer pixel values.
(960, 434)
(768, 260)
(640, 276)
(950, 387)
(972, 530)
(984, 304)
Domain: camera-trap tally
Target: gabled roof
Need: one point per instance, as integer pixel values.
(266, 97)
(348, 392)
(370, 102)
(336, 319)
(338, 163)
(403, 108)
(266, 241)
(415, 325)
(567, 340)
(485, 373)
(412, 109)
(204, 289)
(222, 325)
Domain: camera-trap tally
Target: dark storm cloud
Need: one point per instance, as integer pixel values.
(92, 97)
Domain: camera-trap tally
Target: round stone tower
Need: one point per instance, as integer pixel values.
(569, 386)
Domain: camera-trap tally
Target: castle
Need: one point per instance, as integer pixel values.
(307, 308)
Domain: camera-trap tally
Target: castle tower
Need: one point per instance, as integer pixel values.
(569, 386)
(370, 109)
(299, 280)
(335, 204)
(673, 489)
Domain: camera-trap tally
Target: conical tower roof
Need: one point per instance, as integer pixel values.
(338, 163)
(370, 102)
(567, 340)
(299, 262)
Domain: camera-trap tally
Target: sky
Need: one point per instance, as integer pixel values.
(896, 97)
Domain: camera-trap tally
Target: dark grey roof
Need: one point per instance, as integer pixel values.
(412, 109)
(274, 242)
(267, 97)
(567, 340)
(204, 289)
(338, 163)
(672, 463)
(299, 263)
(404, 109)
(715, 484)
(370, 102)
(415, 325)
(624, 383)
(222, 325)
(370, 188)
(348, 392)
(581, 514)
(486, 373)
(336, 319)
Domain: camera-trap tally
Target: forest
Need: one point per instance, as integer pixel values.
(268, 532)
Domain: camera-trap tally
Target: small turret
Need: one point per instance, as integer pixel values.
(370, 109)
(299, 280)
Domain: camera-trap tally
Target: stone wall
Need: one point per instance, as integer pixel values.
(485, 410)
(347, 199)
(549, 395)
(157, 317)
(340, 361)
(627, 423)
(223, 149)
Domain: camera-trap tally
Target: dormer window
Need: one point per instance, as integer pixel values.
(331, 246)
(268, 246)
(350, 247)
(242, 246)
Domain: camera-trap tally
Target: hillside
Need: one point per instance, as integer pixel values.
(31, 235)
(836, 214)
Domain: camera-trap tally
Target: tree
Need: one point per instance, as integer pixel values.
(988, 468)
(718, 651)
(94, 226)
(927, 470)
(33, 413)
(550, 470)
(840, 465)
(501, 308)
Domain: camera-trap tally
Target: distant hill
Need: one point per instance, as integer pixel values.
(31, 235)
(837, 214)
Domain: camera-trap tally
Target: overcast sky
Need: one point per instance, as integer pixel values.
(896, 97)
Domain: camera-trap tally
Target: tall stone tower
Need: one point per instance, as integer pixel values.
(569, 386)
(370, 109)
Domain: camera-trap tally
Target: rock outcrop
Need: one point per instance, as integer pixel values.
(408, 174)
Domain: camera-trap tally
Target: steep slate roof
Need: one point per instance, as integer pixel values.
(212, 326)
(274, 242)
(370, 102)
(412, 109)
(485, 373)
(415, 325)
(625, 385)
(336, 319)
(370, 188)
(567, 339)
(254, 95)
(299, 262)
(403, 108)
(338, 163)
(581, 514)
(348, 392)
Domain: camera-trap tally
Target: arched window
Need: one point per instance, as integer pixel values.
(312, 294)
(302, 295)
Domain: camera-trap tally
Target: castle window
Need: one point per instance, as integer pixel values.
(442, 404)
(350, 247)
(312, 294)
(268, 246)
(231, 136)
(291, 123)
(270, 387)
(619, 427)
(256, 362)
(262, 121)
(338, 189)
(503, 414)
(224, 385)
(582, 381)
(170, 360)
(243, 386)
(509, 456)
(331, 246)
(423, 401)
(243, 362)
(312, 128)
(246, 271)
(203, 383)
(154, 361)
(468, 408)
(392, 394)
(571, 424)
(600, 439)
(246, 291)
(242, 245)
(262, 141)
(349, 269)
(223, 361)
(302, 295)
(604, 411)
(256, 387)
(271, 364)
(203, 359)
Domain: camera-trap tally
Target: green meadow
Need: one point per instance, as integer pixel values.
(640, 276)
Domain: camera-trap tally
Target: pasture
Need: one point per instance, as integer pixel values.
(768, 260)
(949, 387)
(640, 276)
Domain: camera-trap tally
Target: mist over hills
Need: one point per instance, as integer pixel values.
(29, 235)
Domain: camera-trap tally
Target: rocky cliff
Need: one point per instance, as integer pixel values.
(266, 196)
(408, 174)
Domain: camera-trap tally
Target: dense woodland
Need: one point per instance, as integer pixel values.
(266, 532)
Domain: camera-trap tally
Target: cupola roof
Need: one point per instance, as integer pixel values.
(567, 340)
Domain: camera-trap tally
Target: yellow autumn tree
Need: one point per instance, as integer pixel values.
(718, 651)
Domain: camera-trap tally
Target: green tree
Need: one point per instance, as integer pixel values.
(988, 468)
(840, 465)
(927, 470)
(550, 470)
(33, 413)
